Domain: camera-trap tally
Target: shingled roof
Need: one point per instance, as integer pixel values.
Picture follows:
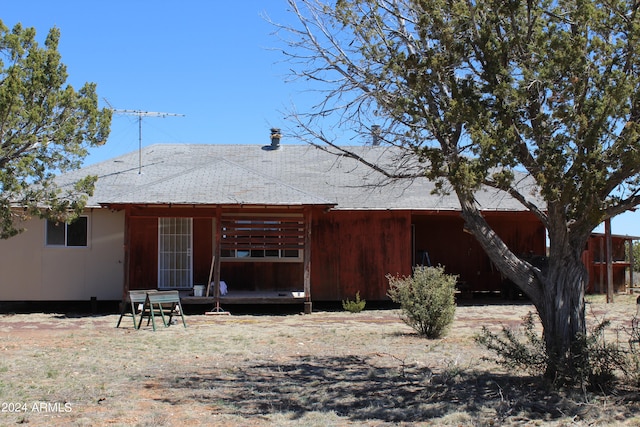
(293, 175)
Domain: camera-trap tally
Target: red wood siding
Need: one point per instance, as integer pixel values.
(202, 249)
(262, 276)
(143, 257)
(351, 251)
(144, 251)
(239, 275)
(354, 251)
(443, 237)
(595, 259)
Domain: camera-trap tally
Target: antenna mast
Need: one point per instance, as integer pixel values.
(140, 115)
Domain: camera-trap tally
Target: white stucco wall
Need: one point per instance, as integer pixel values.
(31, 271)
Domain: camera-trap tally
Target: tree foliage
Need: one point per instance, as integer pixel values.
(46, 128)
(480, 94)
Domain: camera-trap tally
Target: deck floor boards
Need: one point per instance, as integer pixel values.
(250, 297)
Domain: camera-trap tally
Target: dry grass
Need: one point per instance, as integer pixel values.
(324, 369)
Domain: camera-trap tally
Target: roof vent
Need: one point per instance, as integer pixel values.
(375, 135)
(275, 140)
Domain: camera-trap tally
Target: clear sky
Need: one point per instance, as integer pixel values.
(212, 61)
(209, 60)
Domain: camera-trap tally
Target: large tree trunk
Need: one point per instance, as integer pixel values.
(556, 291)
(562, 313)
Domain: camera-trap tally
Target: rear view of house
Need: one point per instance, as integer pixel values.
(275, 224)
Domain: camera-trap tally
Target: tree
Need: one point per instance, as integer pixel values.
(46, 128)
(475, 93)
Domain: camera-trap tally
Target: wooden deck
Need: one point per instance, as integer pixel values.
(248, 297)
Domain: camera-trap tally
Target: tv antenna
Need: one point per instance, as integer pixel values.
(140, 115)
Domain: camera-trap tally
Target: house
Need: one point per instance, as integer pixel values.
(275, 223)
(595, 257)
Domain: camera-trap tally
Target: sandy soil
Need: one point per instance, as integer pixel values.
(327, 368)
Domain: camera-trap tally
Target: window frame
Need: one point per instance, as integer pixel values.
(65, 232)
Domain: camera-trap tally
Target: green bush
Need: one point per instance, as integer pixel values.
(633, 355)
(355, 306)
(593, 366)
(427, 299)
(527, 353)
(600, 360)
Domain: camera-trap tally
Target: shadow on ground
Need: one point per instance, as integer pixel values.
(356, 389)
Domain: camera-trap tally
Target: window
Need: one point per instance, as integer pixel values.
(174, 253)
(268, 239)
(72, 234)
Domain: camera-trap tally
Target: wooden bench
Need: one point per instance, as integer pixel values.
(133, 301)
(163, 303)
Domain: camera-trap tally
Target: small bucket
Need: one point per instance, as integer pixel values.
(198, 290)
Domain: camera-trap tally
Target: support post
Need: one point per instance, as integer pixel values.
(601, 266)
(216, 259)
(307, 261)
(631, 265)
(607, 232)
(127, 254)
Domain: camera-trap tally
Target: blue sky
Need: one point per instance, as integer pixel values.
(212, 61)
(208, 60)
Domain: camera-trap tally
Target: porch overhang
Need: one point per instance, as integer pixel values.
(241, 228)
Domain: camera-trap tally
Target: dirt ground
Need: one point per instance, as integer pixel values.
(330, 368)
